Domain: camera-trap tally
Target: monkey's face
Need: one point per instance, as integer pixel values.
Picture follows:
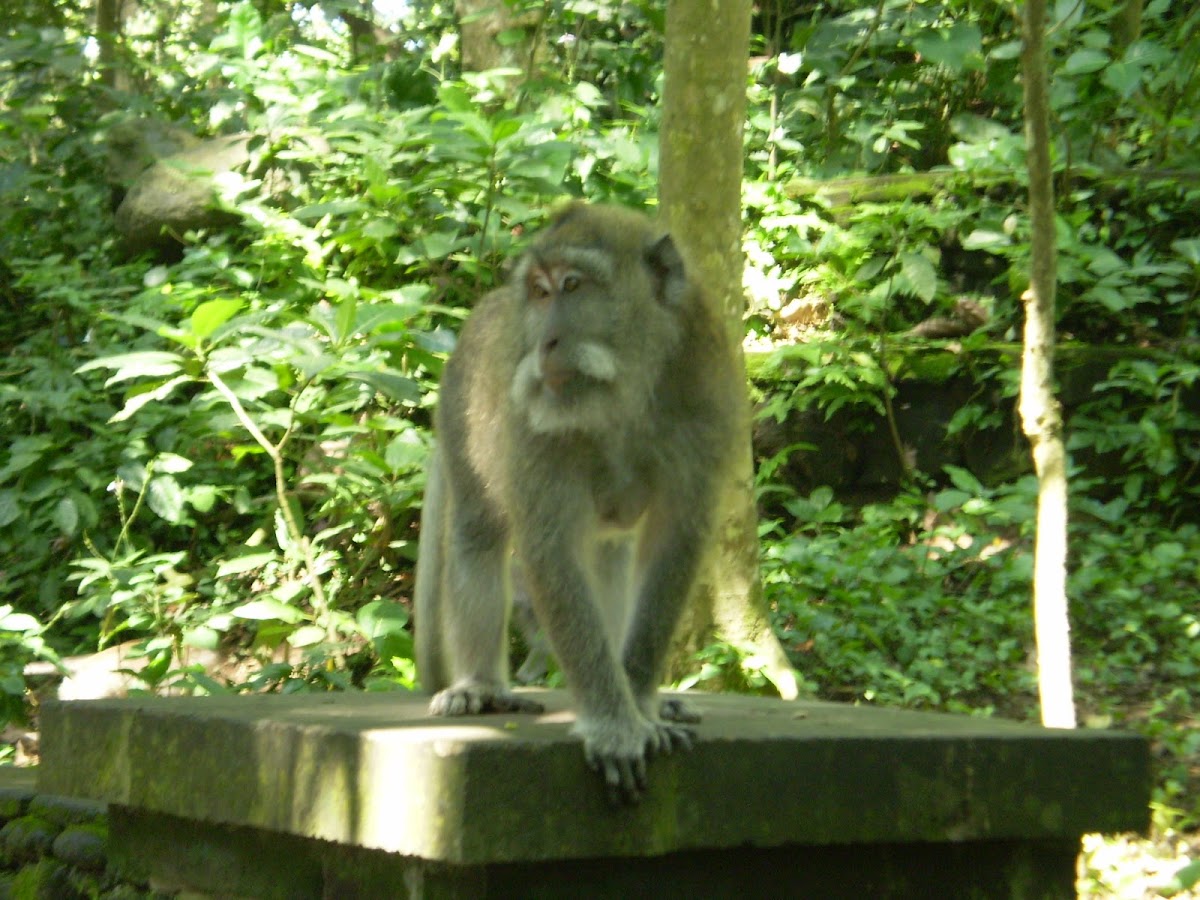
(585, 322)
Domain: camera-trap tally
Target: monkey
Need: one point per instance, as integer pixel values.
(583, 423)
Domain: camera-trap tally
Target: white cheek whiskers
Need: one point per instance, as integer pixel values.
(548, 414)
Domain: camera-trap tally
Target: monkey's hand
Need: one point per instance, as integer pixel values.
(472, 698)
(619, 749)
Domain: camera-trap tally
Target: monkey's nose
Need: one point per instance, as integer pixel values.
(555, 372)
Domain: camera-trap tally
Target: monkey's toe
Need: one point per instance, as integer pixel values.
(673, 709)
(474, 699)
(507, 702)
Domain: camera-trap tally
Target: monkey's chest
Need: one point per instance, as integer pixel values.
(621, 496)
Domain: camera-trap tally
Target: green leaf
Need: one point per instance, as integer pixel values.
(347, 313)
(985, 239)
(240, 564)
(1123, 77)
(1006, 50)
(210, 316)
(137, 400)
(1081, 62)
(1187, 877)
(511, 37)
(330, 208)
(15, 621)
(505, 128)
(391, 384)
(66, 516)
(207, 682)
(380, 617)
(380, 230)
(386, 318)
(146, 364)
(171, 463)
(1188, 248)
(202, 497)
(306, 636)
(202, 636)
(10, 508)
(920, 274)
(958, 47)
(440, 244)
(405, 452)
(165, 497)
(268, 608)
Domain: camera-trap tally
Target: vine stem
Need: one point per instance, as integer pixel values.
(275, 452)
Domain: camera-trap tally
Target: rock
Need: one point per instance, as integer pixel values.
(133, 145)
(63, 811)
(177, 194)
(28, 838)
(17, 789)
(82, 846)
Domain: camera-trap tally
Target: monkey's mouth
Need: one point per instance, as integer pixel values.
(565, 392)
(566, 387)
(587, 365)
(556, 381)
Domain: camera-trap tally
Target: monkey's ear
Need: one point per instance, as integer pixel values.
(670, 276)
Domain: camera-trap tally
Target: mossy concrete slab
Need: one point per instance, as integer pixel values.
(375, 771)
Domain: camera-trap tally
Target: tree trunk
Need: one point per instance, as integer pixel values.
(109, 26)
(700, 178)
(1041, 414)
(496, 35)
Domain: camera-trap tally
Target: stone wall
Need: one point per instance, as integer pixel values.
(365, 795)
(54, 848)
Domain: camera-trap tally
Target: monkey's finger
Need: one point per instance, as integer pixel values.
(639, 773)
(682, 739)
(620, 795)
(671, 738)
(631, 775)
(624, 777)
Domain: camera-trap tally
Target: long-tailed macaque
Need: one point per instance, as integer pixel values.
(583, 422)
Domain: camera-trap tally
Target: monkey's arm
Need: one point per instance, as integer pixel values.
(617, 737)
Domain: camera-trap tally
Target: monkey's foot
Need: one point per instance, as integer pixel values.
(673, 709)
(619, 751)
(472, 698)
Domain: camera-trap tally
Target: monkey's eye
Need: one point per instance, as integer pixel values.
(570, 282)
(540, 289)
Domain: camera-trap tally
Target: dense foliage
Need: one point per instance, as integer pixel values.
(223, 446)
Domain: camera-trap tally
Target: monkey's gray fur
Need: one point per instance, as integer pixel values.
(583, 422)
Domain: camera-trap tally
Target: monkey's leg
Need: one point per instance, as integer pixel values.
(474, 613)
(615, 577)
(537, 661)
(431, 581)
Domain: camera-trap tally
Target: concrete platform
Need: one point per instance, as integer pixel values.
(353, 790)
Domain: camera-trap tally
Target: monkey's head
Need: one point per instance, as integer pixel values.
(601, 296)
